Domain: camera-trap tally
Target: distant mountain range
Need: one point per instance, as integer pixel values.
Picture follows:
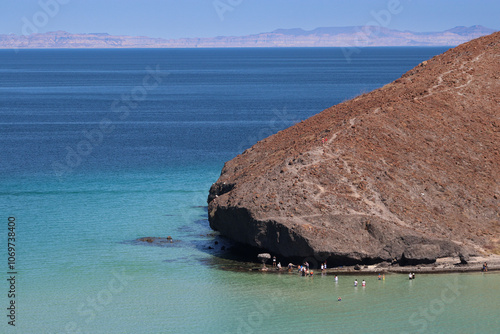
(358, 36)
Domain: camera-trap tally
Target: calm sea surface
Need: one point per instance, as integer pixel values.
(101, 147)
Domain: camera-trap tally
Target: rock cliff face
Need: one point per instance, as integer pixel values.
(409, 171)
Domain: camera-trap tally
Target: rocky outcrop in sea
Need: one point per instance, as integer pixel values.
(410, 171)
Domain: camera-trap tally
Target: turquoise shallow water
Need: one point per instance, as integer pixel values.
(158, 299)
(79, 272)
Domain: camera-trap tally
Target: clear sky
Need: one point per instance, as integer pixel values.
(209, 18)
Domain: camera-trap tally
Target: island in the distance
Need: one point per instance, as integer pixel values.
(352, 37)
(410, 172)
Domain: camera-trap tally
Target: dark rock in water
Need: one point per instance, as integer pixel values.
(410, 171)
(156, 241)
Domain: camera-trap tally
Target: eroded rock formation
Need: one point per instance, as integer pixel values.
(409, 171)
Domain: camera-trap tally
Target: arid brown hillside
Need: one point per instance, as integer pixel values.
(409, 171)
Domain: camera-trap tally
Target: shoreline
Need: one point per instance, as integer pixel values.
(441, 266)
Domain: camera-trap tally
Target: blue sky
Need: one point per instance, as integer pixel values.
(208, 18)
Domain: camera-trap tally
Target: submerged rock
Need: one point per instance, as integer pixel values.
(156, 241)
(410, 171)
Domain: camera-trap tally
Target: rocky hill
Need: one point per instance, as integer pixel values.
(321, 37)
(409, 171)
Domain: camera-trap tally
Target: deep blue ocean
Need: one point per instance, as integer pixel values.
(101, 147)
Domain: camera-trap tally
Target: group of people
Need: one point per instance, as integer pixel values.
(277, 265)
(363, 283)
(304, 269)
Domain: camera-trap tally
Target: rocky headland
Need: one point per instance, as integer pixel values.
(410, 172)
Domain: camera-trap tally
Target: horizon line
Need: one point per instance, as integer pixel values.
(257, 33)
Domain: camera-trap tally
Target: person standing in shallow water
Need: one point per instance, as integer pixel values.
(355, 282)
(274, 261)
